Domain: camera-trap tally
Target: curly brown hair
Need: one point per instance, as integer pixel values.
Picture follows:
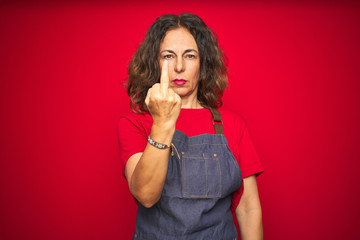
(144, 69)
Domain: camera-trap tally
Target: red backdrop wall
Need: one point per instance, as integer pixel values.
(294, 76)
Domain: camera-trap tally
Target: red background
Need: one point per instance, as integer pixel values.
(294, 76)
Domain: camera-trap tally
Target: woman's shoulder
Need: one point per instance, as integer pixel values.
(232, 117)
(138, 119)
(134, 116)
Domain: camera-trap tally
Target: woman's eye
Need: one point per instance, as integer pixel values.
(190, 56)
(168, 56)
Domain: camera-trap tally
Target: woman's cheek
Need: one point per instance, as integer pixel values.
(171, 63)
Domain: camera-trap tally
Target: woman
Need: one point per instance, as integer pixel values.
(182, 155)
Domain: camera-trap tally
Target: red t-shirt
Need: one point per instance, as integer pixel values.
(134, 130)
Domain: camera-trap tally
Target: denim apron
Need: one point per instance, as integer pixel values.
(196, 198)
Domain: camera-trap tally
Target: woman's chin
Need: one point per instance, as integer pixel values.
(182, 92)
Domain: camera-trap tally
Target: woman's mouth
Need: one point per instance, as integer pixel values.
(179, 81)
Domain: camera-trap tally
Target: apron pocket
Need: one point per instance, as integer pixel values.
(201, 176)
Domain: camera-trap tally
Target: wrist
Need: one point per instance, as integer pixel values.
(162, 134)
(157, 144)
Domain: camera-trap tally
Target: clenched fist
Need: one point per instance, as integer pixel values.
(163, 103)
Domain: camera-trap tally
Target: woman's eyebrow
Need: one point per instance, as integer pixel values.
(190, 50)
(166, 50)
(186, 51)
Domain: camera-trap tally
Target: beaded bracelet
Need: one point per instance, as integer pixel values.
(156, 144)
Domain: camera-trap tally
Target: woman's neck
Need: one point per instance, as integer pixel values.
(190, 102)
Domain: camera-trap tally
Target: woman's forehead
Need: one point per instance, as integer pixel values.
(178, 39)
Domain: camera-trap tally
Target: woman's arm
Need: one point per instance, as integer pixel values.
(146, 172)
(248, 212)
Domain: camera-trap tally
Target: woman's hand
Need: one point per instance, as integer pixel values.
(162, 102)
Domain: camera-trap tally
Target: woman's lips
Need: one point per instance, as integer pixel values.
(179, 81)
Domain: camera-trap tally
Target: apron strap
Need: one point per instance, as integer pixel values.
(217, 121)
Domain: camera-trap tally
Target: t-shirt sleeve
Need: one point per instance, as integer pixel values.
(249, 163)
(132, 139)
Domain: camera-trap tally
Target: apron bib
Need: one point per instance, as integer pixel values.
(195, 201)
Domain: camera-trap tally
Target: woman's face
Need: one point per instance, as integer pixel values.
(180, 50)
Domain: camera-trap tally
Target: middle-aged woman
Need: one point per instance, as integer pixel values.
(182, 156)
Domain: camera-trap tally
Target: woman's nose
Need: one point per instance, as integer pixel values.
(179, 65)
